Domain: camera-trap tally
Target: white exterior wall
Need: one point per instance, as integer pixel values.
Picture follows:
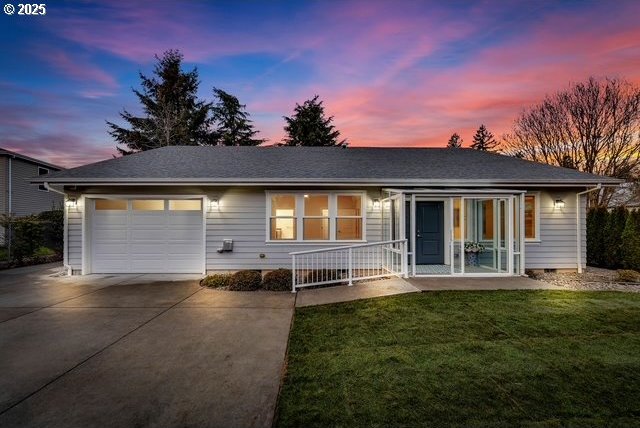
(557, 247)
(242, 217)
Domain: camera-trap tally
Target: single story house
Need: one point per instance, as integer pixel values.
(327, 212)
(18, 197)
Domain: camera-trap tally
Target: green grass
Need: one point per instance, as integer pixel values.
(504, 358)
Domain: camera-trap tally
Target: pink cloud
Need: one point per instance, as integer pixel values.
(78, 69)
(66, 150)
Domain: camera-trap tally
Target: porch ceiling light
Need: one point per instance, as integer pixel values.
(71, 202)
(214, 203)
(376, 204)
(559, 203)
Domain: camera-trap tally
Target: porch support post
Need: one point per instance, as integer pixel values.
(452, 243)
(522, 234)
(462, 236)
(413, 234)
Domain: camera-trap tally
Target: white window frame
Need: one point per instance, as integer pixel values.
(41, 186)
(536, 213)
(300, 216)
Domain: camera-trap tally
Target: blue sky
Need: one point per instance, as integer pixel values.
(391, 73)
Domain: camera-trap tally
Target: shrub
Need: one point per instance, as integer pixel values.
(44, 252)
(216, 280)
(628, 275)
(631, 242)
(52, 229)
(616, 221)
(277, 280)
(245, 280)
(596, 223)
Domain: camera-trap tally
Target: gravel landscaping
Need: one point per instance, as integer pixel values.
(592, 279)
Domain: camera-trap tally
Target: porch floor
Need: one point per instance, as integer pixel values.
(460, 283)
(446, 269)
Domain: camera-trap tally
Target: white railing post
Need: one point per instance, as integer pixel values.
(350, 266)
(405, 259)
(293, 274)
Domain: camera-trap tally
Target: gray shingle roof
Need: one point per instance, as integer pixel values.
(385, 166)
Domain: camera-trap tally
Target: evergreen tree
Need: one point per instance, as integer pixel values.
(173, 115)
(483, 140)
(631, 241)
(455, 142)
(596, 223)
(233, 127)
(616, 221)
(309, 127)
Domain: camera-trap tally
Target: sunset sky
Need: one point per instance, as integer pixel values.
(392, 73)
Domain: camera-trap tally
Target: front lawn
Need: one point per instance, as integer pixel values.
(504, 358)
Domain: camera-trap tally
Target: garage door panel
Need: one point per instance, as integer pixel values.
(156, 234)
(142, 249)
(186, 219)
(193, 235)
(147, 241)
(110, 220)
(148, 221)
(110, 235)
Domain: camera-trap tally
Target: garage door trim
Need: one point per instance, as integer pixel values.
(88, 203)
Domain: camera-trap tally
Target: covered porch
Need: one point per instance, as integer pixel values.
(457, 232)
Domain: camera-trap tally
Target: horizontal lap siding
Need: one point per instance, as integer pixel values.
(26, 197)
(242, 217)
(557, 246)
(74, 235)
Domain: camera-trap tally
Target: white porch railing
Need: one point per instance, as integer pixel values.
(349, 263)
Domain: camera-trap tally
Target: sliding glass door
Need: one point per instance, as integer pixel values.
(482, 240)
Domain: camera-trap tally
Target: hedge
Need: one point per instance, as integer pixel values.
(32, 236)
(613, 238)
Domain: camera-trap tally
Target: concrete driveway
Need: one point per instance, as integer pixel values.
(136, 351)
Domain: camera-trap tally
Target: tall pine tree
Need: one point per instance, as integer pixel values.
(233, 127)
(455, 142)
(309, 127)
(483, 140)
(173, 115)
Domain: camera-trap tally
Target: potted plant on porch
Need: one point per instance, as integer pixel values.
(471, 251)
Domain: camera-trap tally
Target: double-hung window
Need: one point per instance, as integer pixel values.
(316, 217)
(532, 216)
(349, 218)
(315, 226)
(283, 222)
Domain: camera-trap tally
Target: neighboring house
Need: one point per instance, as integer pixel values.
(170, 210)
(18, 196)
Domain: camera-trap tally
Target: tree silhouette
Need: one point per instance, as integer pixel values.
(483, 140)
(233, 127)
(309, 127)
(455, 142)
(173, 115)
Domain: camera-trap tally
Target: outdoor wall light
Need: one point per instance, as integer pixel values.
(559, 203)
(71, 202)
(376, 204)
(214, 203)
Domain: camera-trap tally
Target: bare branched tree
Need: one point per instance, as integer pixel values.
(592, 126)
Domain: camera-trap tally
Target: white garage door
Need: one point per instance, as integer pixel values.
(146, 236)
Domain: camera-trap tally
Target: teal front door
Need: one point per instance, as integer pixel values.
(430, 233)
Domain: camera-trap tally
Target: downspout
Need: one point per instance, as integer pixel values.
(578, 229)
(65, 248)
(9, 206)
